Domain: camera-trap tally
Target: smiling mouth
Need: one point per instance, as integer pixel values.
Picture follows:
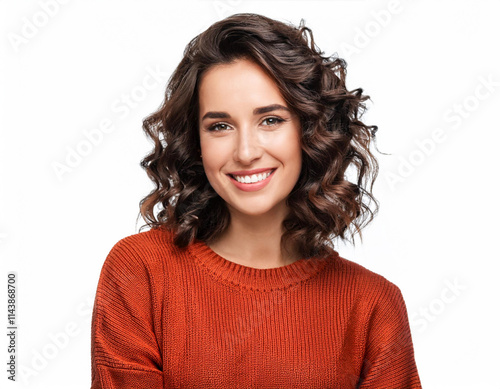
(252, 179)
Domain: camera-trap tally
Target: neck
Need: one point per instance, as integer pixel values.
(254, 241)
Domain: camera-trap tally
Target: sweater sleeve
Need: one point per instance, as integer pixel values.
(124, 349)
(389, 361)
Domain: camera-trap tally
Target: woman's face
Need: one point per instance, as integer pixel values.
(246, 125)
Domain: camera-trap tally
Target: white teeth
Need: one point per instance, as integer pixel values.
(253, 178)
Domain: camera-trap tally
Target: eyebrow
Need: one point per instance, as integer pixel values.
(256, 111)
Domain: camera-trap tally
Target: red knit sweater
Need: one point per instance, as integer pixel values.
(166, 317)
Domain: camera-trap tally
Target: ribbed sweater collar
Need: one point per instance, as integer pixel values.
(246, 277)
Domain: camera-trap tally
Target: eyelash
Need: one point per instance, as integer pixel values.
(277, 119)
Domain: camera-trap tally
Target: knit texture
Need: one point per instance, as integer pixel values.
(165, 317)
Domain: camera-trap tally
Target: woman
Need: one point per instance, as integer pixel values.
(236, 283)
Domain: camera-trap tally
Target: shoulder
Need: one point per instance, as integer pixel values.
(346, 268)
(150, 243)
(365, 284)
(144, 252)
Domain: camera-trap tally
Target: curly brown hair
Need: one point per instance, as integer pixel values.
(324, 204)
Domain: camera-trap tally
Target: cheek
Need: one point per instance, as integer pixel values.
(296, 146)
(213, 157)
(289, 149)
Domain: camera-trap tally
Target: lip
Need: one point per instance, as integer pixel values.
(254, 186)
(250, 172)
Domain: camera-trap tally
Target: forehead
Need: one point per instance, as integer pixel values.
(240, 81)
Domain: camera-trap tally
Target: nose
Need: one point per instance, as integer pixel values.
(247, 147)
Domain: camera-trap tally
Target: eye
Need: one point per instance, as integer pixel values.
(274, 120)
(214, 127)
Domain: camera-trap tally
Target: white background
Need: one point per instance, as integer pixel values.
(66, 68)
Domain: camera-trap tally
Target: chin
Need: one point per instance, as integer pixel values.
(257, 210)
(252, 211)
